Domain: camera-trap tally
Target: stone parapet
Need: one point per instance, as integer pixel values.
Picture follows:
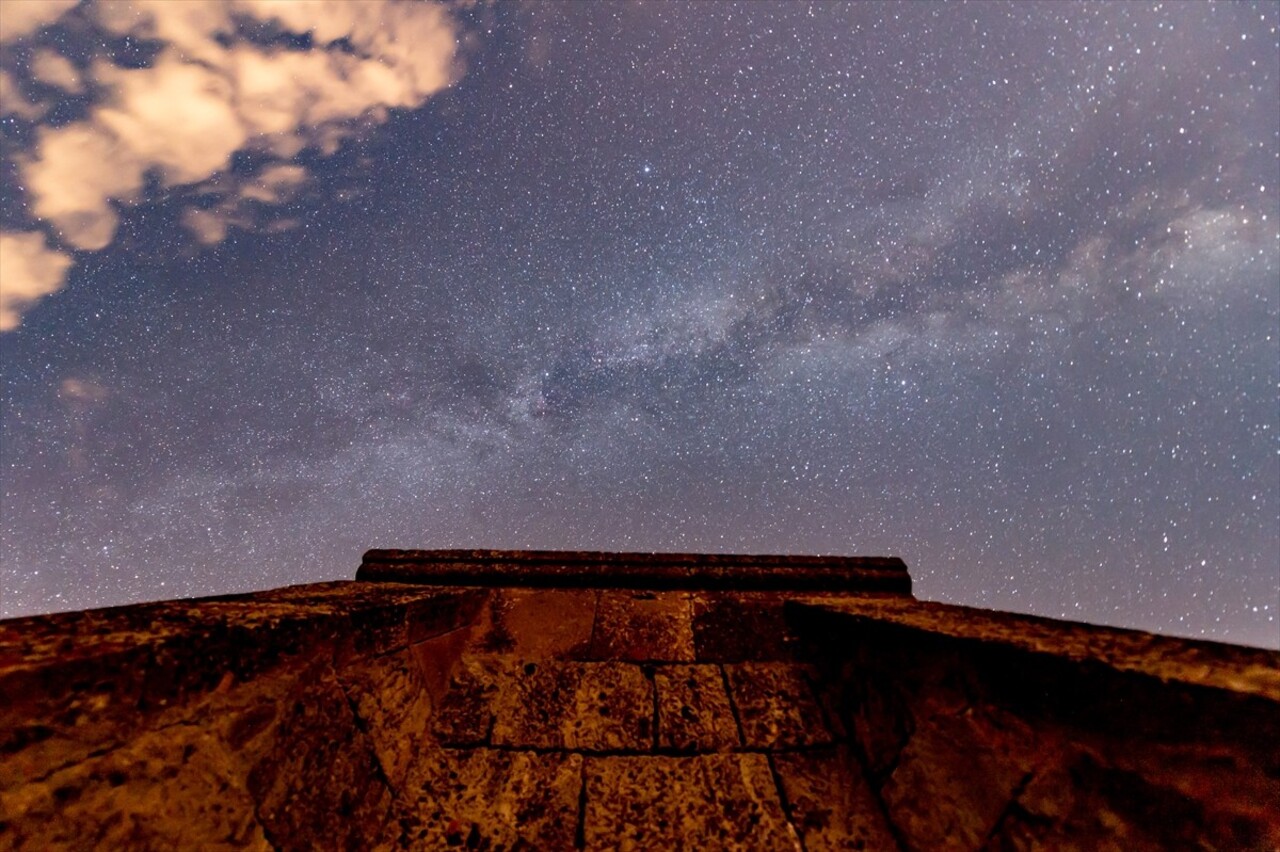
(654, 571)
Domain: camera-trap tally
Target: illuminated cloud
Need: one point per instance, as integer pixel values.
(211, 91)
(29, 269)
(24, 17)
(56, 70)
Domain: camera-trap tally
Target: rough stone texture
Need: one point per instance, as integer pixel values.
(693, 709)
(586, 706)
(535, 624)
(232, 721)
(633, 701)
(489, 799)
(776, 706)
(643, 626)
(651, 571)
(830, 801)
(715, 801)
(978, 734)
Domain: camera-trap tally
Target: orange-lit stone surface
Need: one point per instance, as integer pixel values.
(614, 701)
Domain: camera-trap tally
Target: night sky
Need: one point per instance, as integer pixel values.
(991, 287)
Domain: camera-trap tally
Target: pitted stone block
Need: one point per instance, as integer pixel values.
(693, 709)
(718, 801)
(490, 799)
(654, 626)
(585, 706)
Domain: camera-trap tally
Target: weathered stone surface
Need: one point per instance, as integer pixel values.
(537, 624)
(713, 801)
(693, 709)
(651, 571)
(465, 716)
(733, 627)
(830, 801)
(318, 779)
(954, 779)
(489, 799)
(391, 706)
(176, 788)
(775, 706)
(314, 717)
(587, 706)
(643, 626)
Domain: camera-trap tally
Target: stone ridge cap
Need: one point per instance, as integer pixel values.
(693, 560)
(1197, 662)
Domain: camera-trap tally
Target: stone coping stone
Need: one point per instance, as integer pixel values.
(579, 569)
(1169, 659)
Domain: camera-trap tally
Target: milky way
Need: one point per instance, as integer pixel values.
(993, 288)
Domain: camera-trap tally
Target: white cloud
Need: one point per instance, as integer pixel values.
(28, 270)
(53, 68)
(213, 91)
(20, 18)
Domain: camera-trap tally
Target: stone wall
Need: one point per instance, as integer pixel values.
(285, 719)
(982, 730)
(552, 704)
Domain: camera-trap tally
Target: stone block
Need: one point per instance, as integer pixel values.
(465, 715)
(739, 627)
(643, 626)
(955, 777)
(776, 706)
(586, 706)
(177, 788)
(718, 801)
(490, 799)
(831, 802)
(536, 624)
(693, 709)
(317, 781)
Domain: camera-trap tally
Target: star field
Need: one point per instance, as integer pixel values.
(991, 287)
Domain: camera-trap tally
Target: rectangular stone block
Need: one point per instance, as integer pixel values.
(490, 799)
(536, 624)
(776, 706)
(831, 802)
(739, 627)
(587, 706)
(693, 709)
(649, 626)
(717, 801)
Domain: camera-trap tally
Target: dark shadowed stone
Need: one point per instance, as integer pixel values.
(714, 801)
(643, 626)
(830, 801)
(488, 799)
(693, 709)
(776, 706)
(318, 781)
(954, 779)
(587, 706)
(736, 627)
